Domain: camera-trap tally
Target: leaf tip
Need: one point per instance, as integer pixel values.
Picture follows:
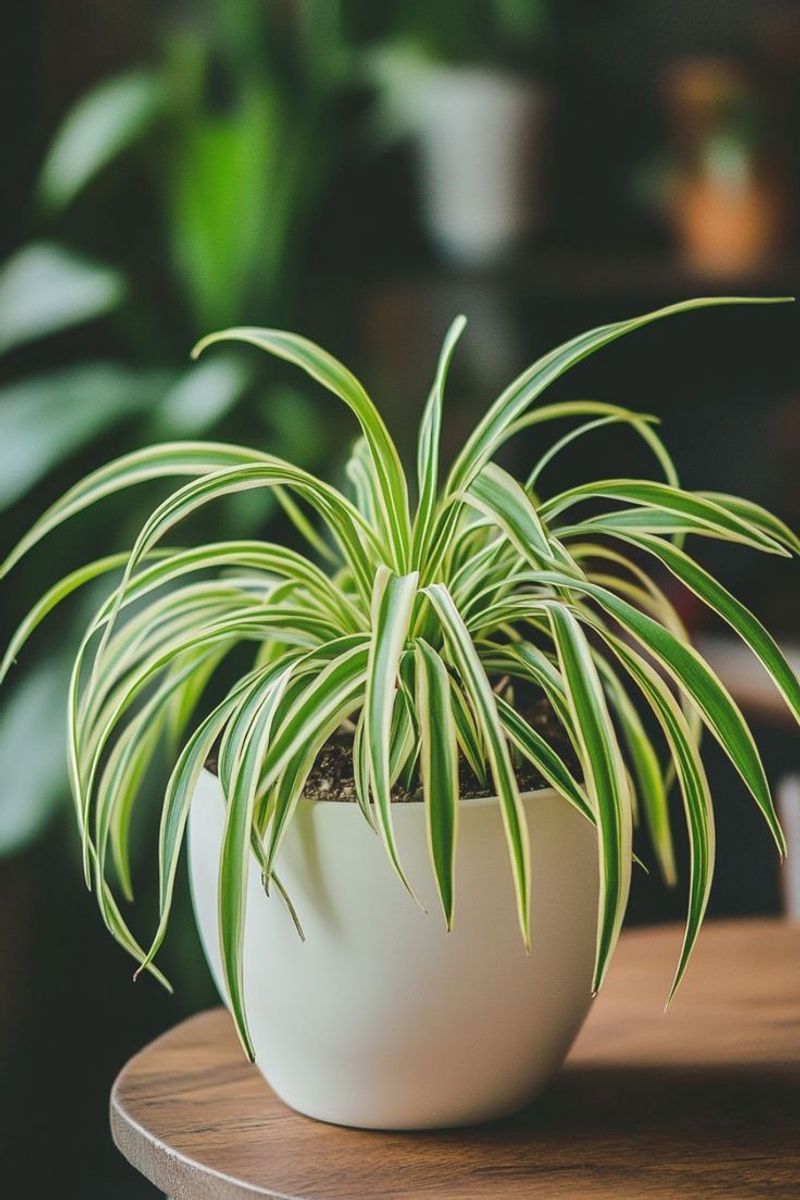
(199, 346)
(246, 1041)
(144, 965)
(599, 978)
(676, 983)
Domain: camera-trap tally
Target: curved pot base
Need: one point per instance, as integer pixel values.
(381, 1019)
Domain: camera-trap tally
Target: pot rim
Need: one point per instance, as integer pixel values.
(468, 801)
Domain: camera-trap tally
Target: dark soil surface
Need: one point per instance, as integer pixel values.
(331, 777)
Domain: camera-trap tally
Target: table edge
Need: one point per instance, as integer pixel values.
(150, 1155)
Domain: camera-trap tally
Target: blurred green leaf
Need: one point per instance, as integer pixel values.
(103, 124)
(32, 754)
(202, 397)
(225, 224)
(46, 418)
(298, 429)
(45, 288)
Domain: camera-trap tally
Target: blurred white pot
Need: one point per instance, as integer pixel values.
(479, 138)
(381, 1018)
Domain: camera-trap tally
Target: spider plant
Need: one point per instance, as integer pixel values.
(410, 624)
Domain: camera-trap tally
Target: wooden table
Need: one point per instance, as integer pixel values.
(703, 1101)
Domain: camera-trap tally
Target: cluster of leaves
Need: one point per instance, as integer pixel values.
(412, 631)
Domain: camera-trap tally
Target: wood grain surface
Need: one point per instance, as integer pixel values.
(703, 1101)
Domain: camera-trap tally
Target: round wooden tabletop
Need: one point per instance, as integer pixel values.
(703, 1101)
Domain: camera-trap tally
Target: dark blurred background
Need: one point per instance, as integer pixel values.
(360, 172)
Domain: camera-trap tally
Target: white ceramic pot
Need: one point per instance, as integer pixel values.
(479, 135)
(381, 1018)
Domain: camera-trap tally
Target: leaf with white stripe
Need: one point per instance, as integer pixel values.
(683, 664)
(694, 790)
(235, 852)
(392, 603)
(466, 659)
(647, 772)
(740, 619)
(544, 757)
(334, 376)
(497, 495)
(605, 777)
(439, 770)
(428, 443)
(141, 466)
(756, 515)
(668, 499)
(491, 430)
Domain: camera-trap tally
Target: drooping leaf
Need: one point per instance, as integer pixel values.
(439, 770)
(605, 777)
(682, 662)
(467, 661)
(660, 496)
(546, 760)
(694, 789)
(328, 371)
(140, 466)
(650, 780)
(235, 852)
(392, 602)
(740, 619)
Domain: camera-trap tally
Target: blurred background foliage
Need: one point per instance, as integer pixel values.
(226, 142)
(360, 171)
